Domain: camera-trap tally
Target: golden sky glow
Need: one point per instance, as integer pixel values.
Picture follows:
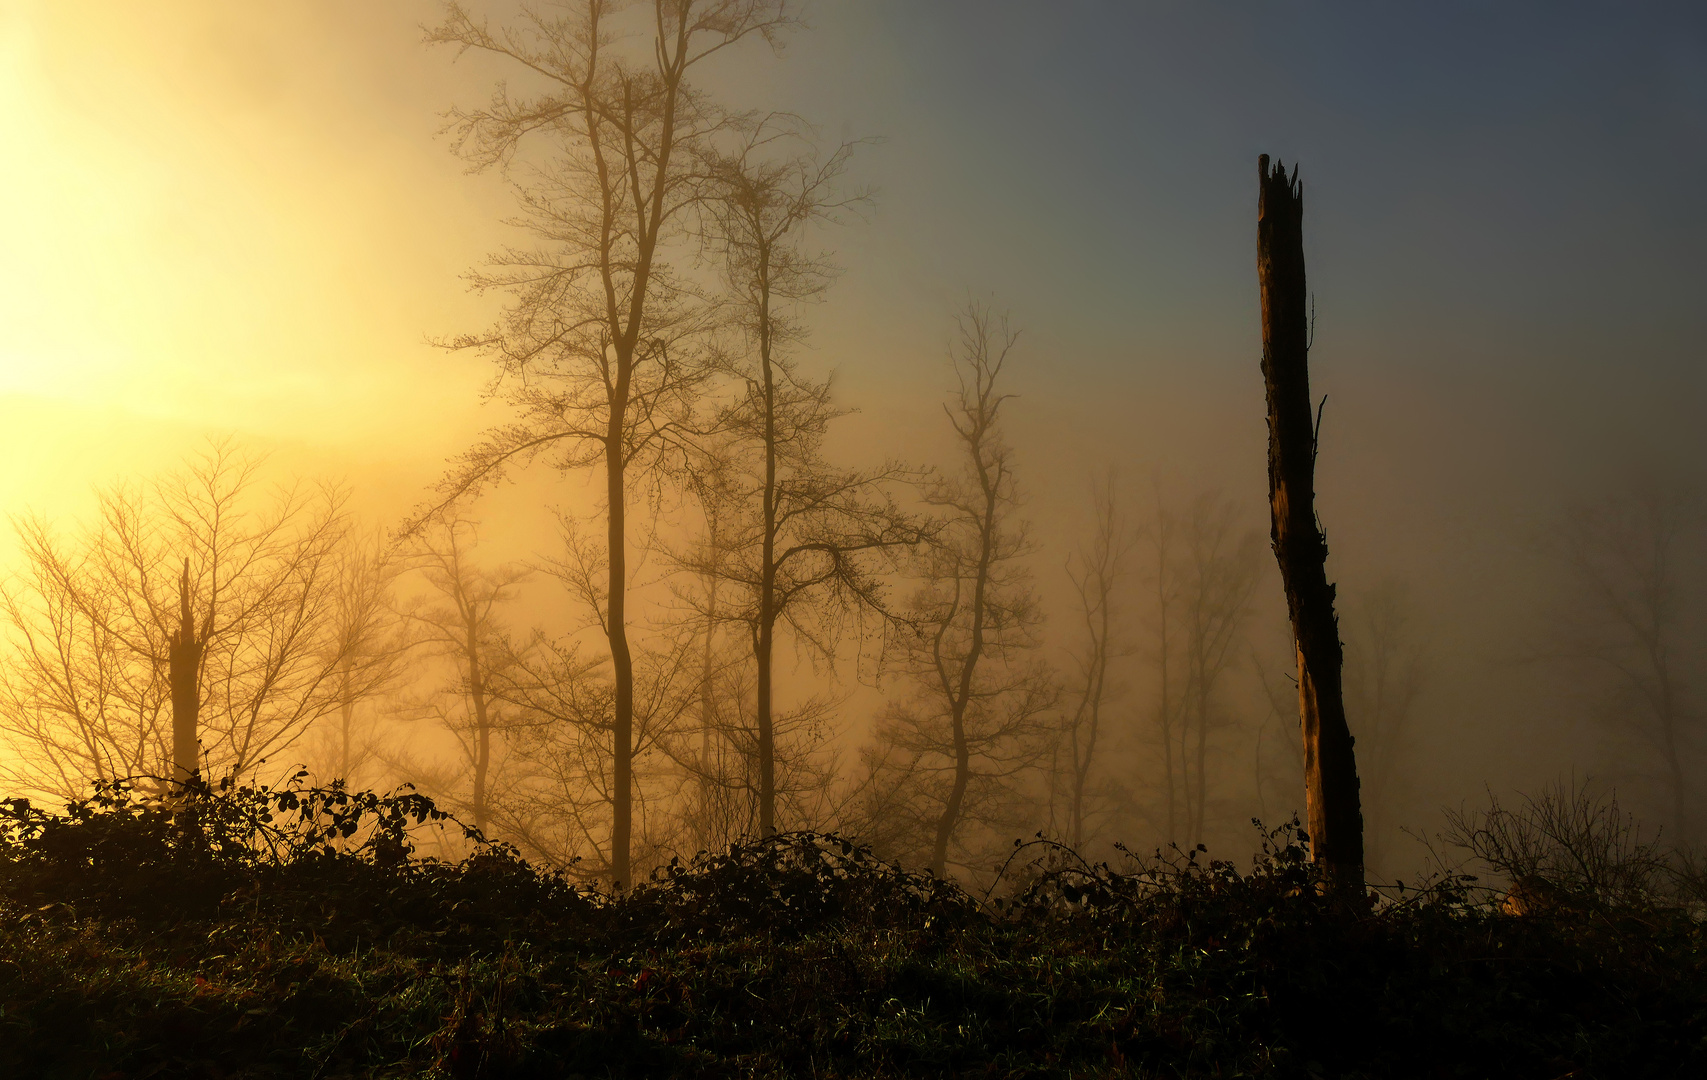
(200, 231)
(233, 216)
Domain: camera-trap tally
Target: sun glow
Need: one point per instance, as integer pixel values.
(195, 237)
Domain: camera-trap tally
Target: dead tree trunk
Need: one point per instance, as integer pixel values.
(183, 660)
(1330, 769)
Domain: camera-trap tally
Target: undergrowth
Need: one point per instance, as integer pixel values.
(292, 931)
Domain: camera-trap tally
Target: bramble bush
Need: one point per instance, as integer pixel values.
(299, 931)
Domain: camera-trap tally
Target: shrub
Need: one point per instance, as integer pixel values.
(251, 932)
(1569, 844)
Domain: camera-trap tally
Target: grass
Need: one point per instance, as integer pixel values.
(291, 933)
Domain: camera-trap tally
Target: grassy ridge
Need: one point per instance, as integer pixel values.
(288, 933)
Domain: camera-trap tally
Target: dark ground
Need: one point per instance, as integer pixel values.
(216, 942)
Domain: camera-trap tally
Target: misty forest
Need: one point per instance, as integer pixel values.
(801, 610)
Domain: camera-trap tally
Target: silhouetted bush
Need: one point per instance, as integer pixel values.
(1571, 843)
(297, 932)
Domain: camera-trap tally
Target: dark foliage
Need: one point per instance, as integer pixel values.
(296, 932)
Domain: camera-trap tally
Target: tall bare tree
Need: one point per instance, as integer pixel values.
(1160, 535)
(720, 755)
(1330, 768)
(981, 693)
(1098, 572)
(1205, 572)
(721, 803)
(559, 701)
(458, 619)
(372, 642)
(803, 540)
(592, 350)
(94, 622)
(1219, 576)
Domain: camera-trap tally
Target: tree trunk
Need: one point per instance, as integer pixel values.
(766, 731)
(184, 657)
(1084, 757)
(957, 794)
(708, 658)
(961, 693)
(482, 726)
(765, 644)
(346, 718)
(1201, 815)
(622, 661)
(1330, 769)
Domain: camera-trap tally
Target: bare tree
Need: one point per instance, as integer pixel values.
(560, 795)
(1219, 576)
(459, 621)
(1634, 558)
(559, 803)
(722, 807)
(86, 690)
(1161, 537)
(372, 641)
(976, 716)
(803, 542)
(558, 810)
(720, 755)
(593, 350)
(1098, 571)
(1569, 845)
(1330, 766)
(1205, 572)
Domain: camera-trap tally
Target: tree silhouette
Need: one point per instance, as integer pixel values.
(1330, 766)
(1098, 572)
(1204, 568)
(802, 542)
(593, 350)
(97, 621)
(458, 619)
(975, 718)
(372, 641)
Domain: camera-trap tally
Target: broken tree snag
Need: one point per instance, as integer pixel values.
(1330, 770)
(184, 660)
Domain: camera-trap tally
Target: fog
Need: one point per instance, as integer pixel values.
(244, 223)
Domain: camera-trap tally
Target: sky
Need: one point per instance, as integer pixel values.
(240, 218)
